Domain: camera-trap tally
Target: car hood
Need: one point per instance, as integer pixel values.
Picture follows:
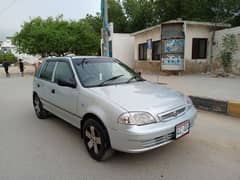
(141, 96)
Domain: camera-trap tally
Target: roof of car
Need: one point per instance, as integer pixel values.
(54, 58)
(89, 57)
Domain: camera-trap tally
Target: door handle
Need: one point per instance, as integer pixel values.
(38, 85)
(53, 91)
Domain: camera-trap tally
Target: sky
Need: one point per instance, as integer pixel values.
(13, 13)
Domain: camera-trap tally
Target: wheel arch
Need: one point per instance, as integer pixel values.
(35, 93)
(95, 117)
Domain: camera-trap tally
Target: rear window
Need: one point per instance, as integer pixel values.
(47, 71)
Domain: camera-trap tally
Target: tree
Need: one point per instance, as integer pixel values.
(95, 22)
(144, 13)
(84, 40)
(168, 9)
(199, 10)
(139, 14)
(56, 36)
(117, 16)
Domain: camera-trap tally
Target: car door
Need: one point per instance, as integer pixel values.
(65, 97)
(45, 84)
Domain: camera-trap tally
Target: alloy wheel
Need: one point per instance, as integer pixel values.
(94, 140)
(37, 105)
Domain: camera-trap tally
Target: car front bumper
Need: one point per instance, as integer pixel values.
(136, 139)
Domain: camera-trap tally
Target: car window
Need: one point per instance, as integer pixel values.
(94, 72)
(63, 72)
(38, 70)
(47, 71)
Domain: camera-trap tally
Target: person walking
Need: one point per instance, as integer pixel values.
(5, 66)
(21, 67)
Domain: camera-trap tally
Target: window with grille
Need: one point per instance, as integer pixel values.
(142, 51)
(199, 48)
(156, 50)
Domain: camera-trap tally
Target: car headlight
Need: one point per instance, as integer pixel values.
(188, 102)
(136, 118)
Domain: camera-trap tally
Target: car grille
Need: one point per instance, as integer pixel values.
(171, 115)
(158, 140)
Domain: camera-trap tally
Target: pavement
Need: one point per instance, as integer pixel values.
(33, 149)
(202, 85)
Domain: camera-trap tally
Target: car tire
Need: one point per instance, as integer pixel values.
(96, 140)
(38, 107)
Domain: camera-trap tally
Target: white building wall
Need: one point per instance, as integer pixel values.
(196, 31)
(123, 48)
(148, 65)
(7, 46)
(219, 35)
(154, 34)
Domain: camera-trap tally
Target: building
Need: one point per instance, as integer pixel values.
(121, 46)
(217, 47)
(7, 46)
(175, 45)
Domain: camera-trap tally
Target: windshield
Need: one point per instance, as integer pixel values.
(102, 72)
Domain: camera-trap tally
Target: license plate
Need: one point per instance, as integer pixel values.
(182, 129)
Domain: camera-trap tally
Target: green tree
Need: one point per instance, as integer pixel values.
(140, 14)
(95, 22)
(117, 16)
(84, 39)
(168, 9)
(227, 11)
(56, 36)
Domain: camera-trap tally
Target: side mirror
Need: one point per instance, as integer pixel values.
(71, 84)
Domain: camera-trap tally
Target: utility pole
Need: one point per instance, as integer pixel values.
(105, 29)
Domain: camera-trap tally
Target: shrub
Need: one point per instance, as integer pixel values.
(9, 57)
(229, 45)
(226, 58)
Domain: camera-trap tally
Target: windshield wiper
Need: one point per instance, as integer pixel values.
(110, 79)
(134, 77)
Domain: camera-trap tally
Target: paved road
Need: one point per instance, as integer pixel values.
(52, 150)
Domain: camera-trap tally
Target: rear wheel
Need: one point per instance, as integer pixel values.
(39, 110)
(96, 140)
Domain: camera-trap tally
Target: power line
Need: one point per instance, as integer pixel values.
(8, 7)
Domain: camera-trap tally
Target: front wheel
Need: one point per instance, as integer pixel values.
(96, 140)
(38, 107)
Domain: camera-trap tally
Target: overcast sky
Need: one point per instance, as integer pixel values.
(14, 12)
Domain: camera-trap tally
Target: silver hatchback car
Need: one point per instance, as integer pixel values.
(115, 108)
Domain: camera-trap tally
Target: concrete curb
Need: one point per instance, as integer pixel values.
(226, 107)
(234, 108)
